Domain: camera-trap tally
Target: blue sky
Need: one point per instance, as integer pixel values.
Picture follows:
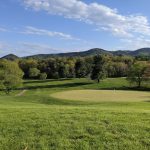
(30, 27)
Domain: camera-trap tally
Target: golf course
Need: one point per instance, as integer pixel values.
(103, 95)
(77, 114)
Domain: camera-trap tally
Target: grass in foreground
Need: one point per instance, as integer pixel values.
(37, 121)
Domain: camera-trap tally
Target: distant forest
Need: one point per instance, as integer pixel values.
(80, 64)
(76, 67)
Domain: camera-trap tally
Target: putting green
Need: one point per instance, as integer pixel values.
(103, 95)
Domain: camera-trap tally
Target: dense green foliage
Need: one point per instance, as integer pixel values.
(96, 67)
(34, 72)
(10, 75)
(43, 76)
(79, 67)
(138, 73)
(98, 70)
(36, 121)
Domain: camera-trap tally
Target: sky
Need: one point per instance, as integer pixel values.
(29, 27)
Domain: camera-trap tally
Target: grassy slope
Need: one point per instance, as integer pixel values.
(39, 122)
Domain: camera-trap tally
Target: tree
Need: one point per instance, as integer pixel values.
(10, 76)
(26, 64)
(80, 68)
(43, 76)
(63, 70)
(34, 72)
(121, 69)
(147, 74)
(71, 68)
(136, 73)
(98, 70)
(52, 68)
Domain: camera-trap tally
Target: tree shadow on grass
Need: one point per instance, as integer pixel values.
(50, 101)
(44, 81)
(147, 101)
(126, 88)
(66, 85)
(54, 101)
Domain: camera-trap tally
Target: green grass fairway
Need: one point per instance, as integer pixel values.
(33, 120)
(103, 95)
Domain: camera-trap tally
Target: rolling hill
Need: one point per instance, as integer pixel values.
(10, 57)
(91, 52)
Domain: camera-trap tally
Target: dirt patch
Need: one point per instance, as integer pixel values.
(21, 93)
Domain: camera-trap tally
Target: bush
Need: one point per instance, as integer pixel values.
(42, 76)
(34, 73)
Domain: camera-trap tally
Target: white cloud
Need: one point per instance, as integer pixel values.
(5, 48)
(34, 48)
(3, 30)
(26, 48)
(94, 13)
(135, 43)
(43, 32)
(29, 48)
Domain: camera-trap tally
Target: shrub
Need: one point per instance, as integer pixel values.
(42, 76)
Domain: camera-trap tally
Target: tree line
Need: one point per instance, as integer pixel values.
(95, 67)
(78, 67)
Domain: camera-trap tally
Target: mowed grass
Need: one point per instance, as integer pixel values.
(36, 121)
(103, 95)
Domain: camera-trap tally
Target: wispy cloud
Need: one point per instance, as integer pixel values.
(42, 32)
(1, 46)
(34, 48)
(30, 48)
(135, 43)
(6, 48)
(94, 13)
(26, 48)
(3, 30)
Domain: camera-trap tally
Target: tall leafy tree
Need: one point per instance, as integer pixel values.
(137, 73)
(10, 75)
(80, 68)
(147, 73)
(98, 70)
(26, 64)
(63, 69)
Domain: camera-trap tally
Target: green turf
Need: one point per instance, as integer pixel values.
(37, 121)
(103, 95)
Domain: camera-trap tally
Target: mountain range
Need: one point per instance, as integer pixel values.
(91, 52)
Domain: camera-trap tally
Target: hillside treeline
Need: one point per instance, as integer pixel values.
(78, 67)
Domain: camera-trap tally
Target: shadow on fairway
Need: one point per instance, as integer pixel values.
(127, 88)
(48, 100)
(66, 85)
(54, 101)
(44, 81)
(148, 100)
